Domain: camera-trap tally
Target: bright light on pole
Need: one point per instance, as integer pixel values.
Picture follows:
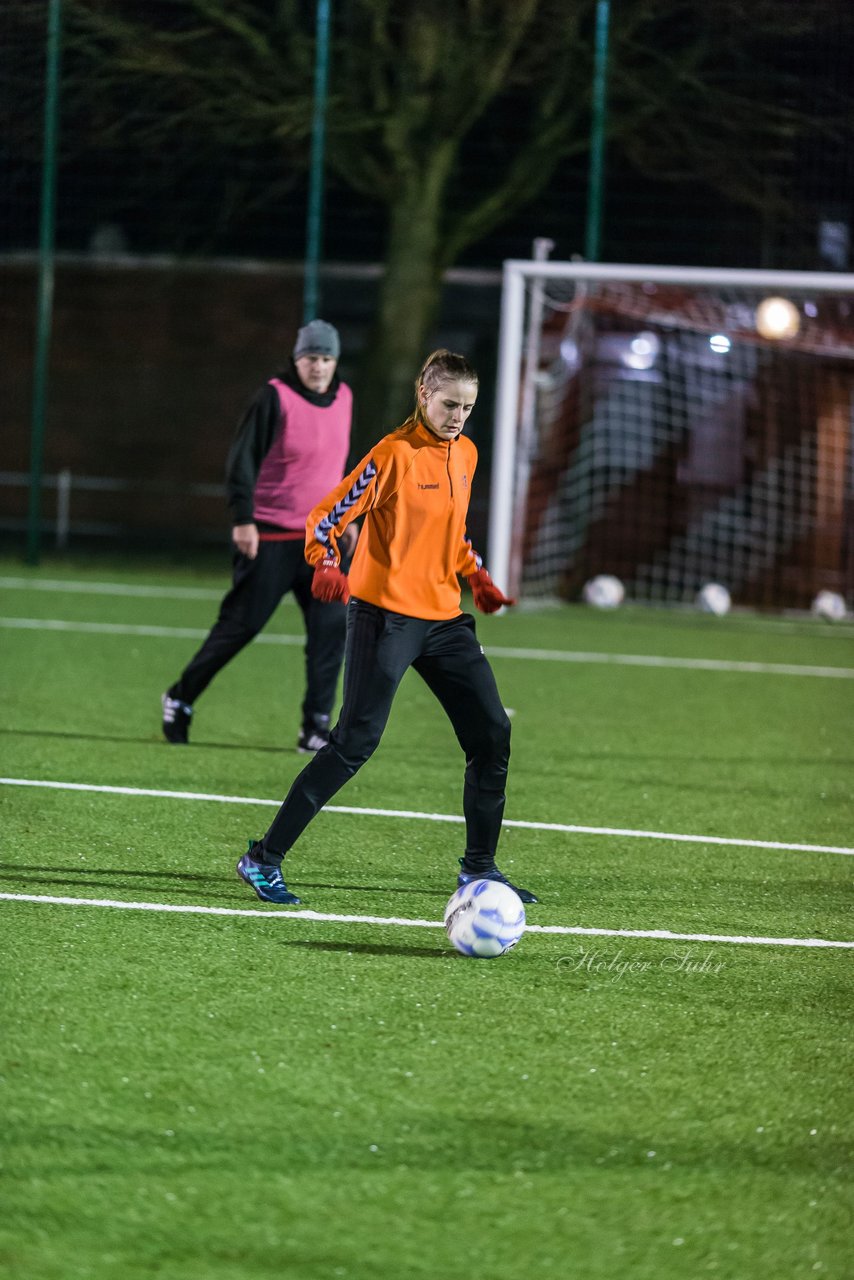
(777, 318)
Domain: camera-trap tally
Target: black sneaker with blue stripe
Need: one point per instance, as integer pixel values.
(265, 877)
(466, 877)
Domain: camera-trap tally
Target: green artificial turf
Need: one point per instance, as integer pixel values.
(218, 1097)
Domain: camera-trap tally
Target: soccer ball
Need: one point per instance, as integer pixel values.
(829, 605)
(604, 591)
(713, 598)
(484, 918)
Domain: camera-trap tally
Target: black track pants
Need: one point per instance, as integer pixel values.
(448, 657)
(258, 587)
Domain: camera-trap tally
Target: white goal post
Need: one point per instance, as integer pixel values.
(675, 427)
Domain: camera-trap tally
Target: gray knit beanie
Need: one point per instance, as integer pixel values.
(317, 338)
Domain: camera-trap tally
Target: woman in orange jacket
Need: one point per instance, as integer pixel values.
(404, 611)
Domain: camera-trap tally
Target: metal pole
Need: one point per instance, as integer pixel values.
(593, 236)
(314, 227)
(63, 508)
(527, 418)
(506, 421)
(44, 313)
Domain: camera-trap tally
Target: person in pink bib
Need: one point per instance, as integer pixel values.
(290, 449)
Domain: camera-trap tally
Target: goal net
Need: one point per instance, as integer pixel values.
(674, 426)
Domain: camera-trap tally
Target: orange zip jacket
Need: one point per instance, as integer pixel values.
(413, 489)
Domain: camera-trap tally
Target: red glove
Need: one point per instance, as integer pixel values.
(487, 597)
(329, 583)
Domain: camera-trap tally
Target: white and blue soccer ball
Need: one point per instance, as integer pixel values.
(484, 918)
(605, 591)
(829, 605)
(714, 598)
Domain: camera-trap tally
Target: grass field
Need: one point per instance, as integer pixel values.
(655, 1084)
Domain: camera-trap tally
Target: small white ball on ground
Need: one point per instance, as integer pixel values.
(714, 598)
(829, 605)
(605, 591)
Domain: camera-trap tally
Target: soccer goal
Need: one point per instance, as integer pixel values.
(674, 426)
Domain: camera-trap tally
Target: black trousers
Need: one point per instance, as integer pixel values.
(258, 587)
(381, 646)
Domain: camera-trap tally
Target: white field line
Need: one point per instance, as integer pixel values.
(691, 664)
(664, 935)
(112, 589)
(494, 651)
(566, 828)
(128, 629)
(776, 625)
